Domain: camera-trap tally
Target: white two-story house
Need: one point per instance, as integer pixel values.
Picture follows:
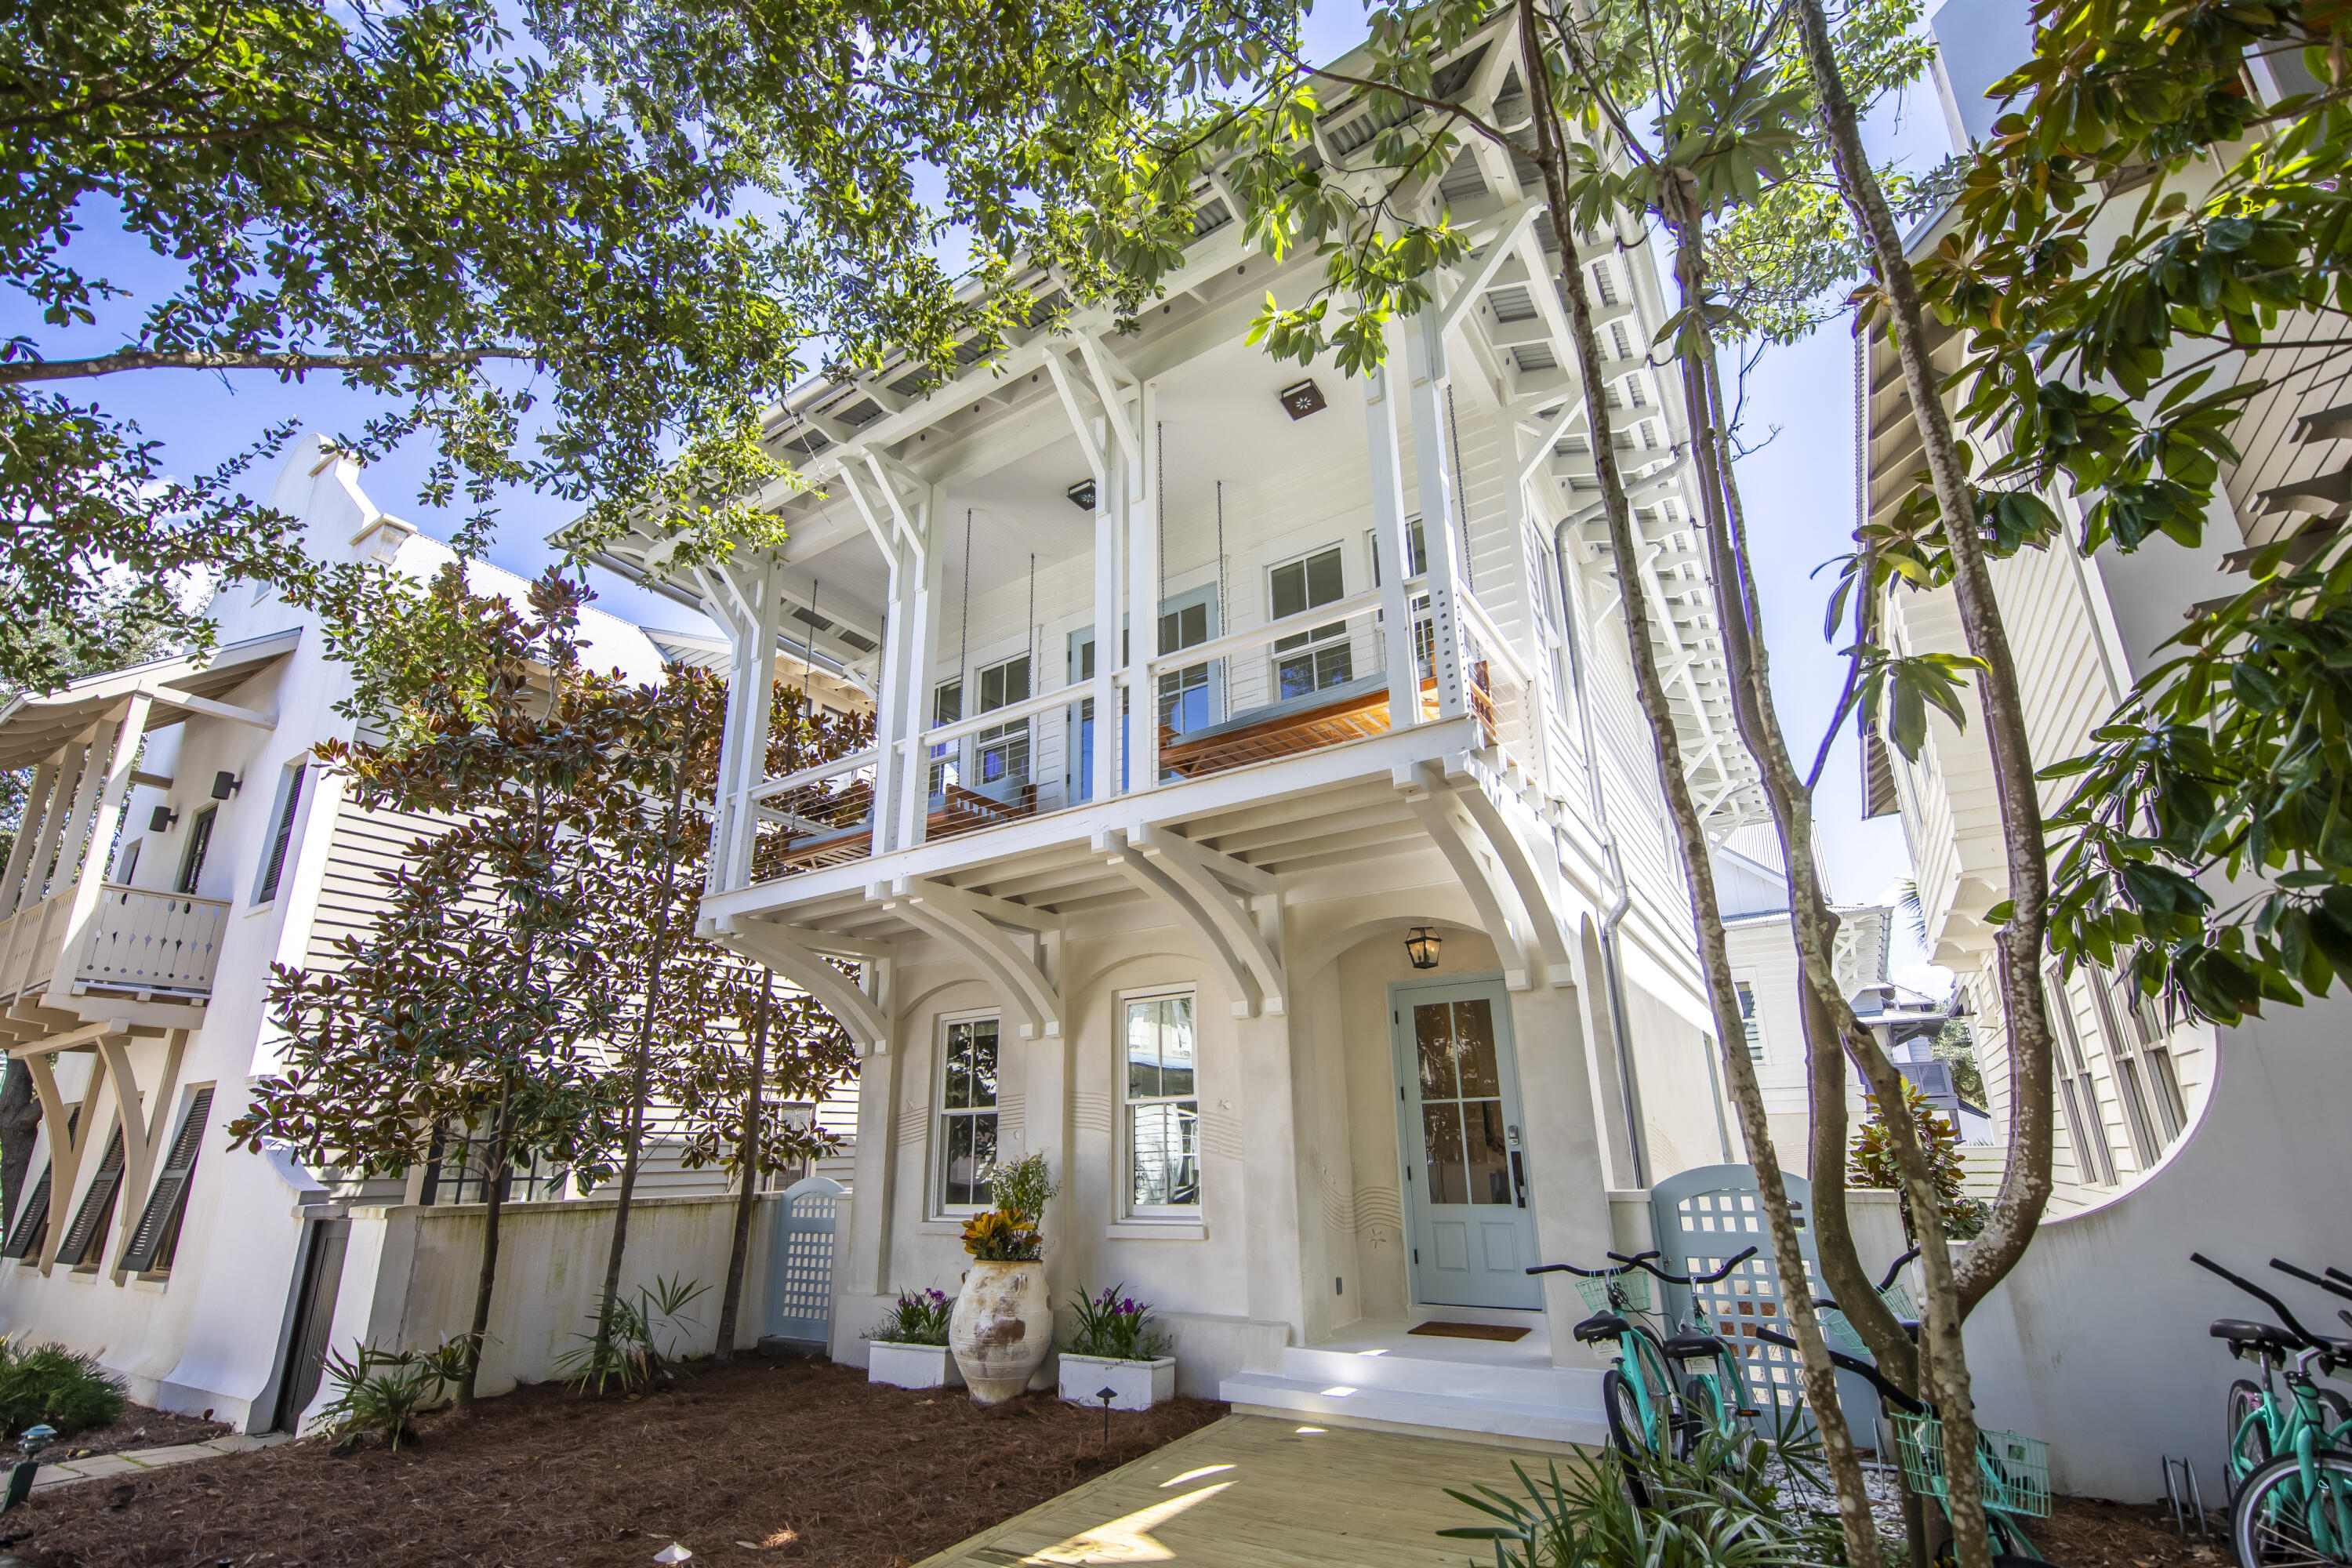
(1260, 823)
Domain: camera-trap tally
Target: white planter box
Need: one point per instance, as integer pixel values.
(912, 1366)
(1140, 1384)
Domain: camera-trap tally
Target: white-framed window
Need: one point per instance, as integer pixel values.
(967, 1115)
(281, 837)
(1160, 1120)
(1001, 754)
(1751, 1022)
(200, 843)
(2136, 1041)
(1311, 660)
(2078, 1092)
(947, 760)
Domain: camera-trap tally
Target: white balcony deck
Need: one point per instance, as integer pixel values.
(140, 941)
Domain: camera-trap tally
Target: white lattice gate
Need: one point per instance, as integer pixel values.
(1702, 1217)
(800, 1264)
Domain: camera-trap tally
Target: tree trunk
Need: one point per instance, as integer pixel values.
(747, 1165)
(20, 1127)
(640, 1073)
(2026, 1180)
(494, 1177)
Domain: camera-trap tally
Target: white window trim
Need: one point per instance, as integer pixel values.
(934, 1138)
(1763, 1051)
(1138, 1219)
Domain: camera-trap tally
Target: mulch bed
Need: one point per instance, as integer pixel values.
(2084, 1532)
(802, 1462)
(139, 1428)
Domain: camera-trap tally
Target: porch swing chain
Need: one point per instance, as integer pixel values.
(1225, 688)
(1461, 496)
(963, 652)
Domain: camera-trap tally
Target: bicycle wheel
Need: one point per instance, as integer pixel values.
(1703, 1406)
(1629, 1429)
(2248, 1435)
(2339, 1414)
(2276, 1523)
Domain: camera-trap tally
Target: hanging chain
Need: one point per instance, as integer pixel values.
(1461, 493)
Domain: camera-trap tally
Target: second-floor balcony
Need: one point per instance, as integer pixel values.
(138, 941)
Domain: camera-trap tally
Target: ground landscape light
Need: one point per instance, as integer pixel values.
(1423, 943)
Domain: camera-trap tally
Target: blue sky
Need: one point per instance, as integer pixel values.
(1798, 482)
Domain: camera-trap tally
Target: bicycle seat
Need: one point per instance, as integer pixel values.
(1600, 1326)
(1682, 1347)
(2243, 1335)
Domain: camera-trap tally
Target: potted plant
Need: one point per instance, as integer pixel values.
(1003, 1326)
(909, 1347)
(1115, 1348)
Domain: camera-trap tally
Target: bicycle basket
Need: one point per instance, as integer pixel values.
(1897, 1298)
(2015, 1467)
(1633, 1292)
(1839, 1333)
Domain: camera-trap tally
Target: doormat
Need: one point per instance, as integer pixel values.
(1470, 1331)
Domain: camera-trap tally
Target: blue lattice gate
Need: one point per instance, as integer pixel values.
(1701, 1218)
(800, 1264)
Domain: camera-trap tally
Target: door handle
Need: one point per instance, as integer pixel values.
(1519, 1178)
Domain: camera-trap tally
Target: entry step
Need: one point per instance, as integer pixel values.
(1413, 1407)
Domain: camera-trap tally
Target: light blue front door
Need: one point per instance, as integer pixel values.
(1470, 1232)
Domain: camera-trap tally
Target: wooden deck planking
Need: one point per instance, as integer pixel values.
(1260, 1491)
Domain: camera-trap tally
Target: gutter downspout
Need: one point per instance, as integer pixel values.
(1629, 1087)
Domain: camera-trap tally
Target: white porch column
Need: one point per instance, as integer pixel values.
(1143, 587)
(1110, 507)
(751, 694)
(895, 772)
(926, 579)
(1425, 369)
(20, 854)
(78, 830)
(1386, 461)
(91, 883)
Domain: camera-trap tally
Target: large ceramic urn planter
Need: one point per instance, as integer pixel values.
(1002, 1329)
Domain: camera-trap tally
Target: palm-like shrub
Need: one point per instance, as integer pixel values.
(51, 1385)
(918, 1318)
(1115, 1327)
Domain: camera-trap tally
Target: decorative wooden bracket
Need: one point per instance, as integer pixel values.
(974, 924)
(1234, 907)
(1474, 786)
(1461, 841)
(798, 953)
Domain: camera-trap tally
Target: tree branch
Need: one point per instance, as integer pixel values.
(16, 373)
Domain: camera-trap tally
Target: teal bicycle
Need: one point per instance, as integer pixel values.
(2290, 1459)
(1651, 1410)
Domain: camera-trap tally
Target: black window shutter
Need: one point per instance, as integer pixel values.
(97, 1206)
(285, 834)
(34, 1219)
(159, 1228)
(31, 1223)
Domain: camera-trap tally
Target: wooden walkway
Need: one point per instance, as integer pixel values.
(1265, 1493)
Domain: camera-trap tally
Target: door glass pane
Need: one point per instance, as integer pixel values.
(1441, 1133)
(1433, 1044)
(1489, 1160)
(1474, 1048)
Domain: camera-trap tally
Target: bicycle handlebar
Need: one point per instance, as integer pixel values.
(1888, 1283)
(1642, 1260)
(2258, 1294)
(1860, 1368)
(2329, 1285)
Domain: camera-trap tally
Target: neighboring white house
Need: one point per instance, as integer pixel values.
(139, 966)
(2172, 1136)
(1151, 904)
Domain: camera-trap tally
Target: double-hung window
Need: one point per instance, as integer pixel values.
(1311, 660)
(947, 764)
(1162, 1120)
(2143, 1072)
(967, 1112)
(273, 864)
(1184, 694)
(200, 843)
(1750, 1024)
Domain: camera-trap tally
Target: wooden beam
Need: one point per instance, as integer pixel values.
(1152, 878)
(207, 707)
(960, 919)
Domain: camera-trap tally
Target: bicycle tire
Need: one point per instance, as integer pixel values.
(2269, 1522)
(1627, 1431)
(2339, 1414)
(2246, 1441)
(1703, 1406)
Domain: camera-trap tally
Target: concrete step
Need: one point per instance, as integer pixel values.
(1464, 1376)
(1405, 1407)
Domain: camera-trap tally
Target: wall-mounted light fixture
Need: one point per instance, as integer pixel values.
(225, 784)
(1082, 495)
(1423, 943)
(161, 819)
(1301, 399)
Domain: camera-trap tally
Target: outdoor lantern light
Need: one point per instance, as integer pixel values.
(225, 784)
(1301, 399)
(1082, 495)
(160, 819)
(1423, 943)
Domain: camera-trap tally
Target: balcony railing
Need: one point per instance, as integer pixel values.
(1309, 681)
(139, 940)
